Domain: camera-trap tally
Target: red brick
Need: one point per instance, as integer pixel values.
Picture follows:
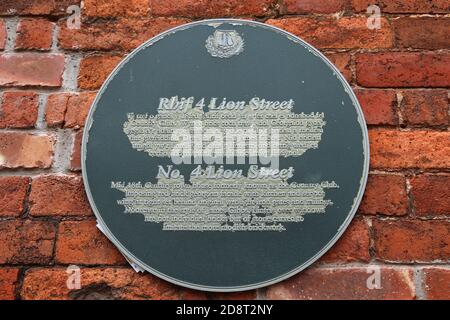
(13, 192)
(58, 195)
(35, 7)
(342, 61)
(23, 150)
(312, 6)
(75, 160)
(211, 8)
(437, 283)
(8, 282)
(385, 194)
(96, 283)
(114, 8)
(422, 32)
(31, 69)
(19, 110)
(425, 107)
(56, 109)
(34, 34)
(345, 284)
(379, 106)
(329, 32)
(68, 110)
(81, 242)
(411, 240)
(392, 149)
(403, 69)
(352, 246)
(246, 295)
(190, 294)
(431, 194)
(404, 6)
(95, 69)
(26, 242)
(78, 107)
(2, 35)
(121, 34)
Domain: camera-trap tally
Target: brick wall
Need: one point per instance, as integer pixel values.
(49, 75)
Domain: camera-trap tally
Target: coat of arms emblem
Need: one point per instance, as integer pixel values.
(224, 43)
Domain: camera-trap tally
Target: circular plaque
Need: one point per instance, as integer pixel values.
(225, 155)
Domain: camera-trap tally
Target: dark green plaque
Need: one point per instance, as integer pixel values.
(225, 155)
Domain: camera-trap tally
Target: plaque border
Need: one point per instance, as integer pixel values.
(215, 23)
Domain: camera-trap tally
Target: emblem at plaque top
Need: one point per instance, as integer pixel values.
(225, 43)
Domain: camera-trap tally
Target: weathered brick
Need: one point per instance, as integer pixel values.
(68, 110)
(81, 242)
(211, 8)
(431, 194)
(23, 150)
(403, 69)
(13, 192)
(342, 61)
(19, 110)
(312, 6)
(120, 34)
(190, 294)
(411, 240)
(393, 149)
(379, 106)
(114, 8)
(96, 283)
(35, 7)
(58, 195)
(55, 109)
(385, 194)
(329, 32)
(425, 107)
(422, 32)
(344, 284)
(437, 283)
(8, 282)
(34, 34)
(78, 107)
(95, 69)
(352, 246)
(2, 35)
(75, 159)
(245, 295)
(26, 242)
(31, 69)
(404, 6)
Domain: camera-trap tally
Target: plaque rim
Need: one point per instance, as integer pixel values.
(340, 231)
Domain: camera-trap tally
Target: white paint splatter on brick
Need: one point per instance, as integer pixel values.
(40, 123)
(63, 150)
(70, 77)
(11, 28)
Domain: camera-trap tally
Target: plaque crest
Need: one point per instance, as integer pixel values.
(224, 43)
